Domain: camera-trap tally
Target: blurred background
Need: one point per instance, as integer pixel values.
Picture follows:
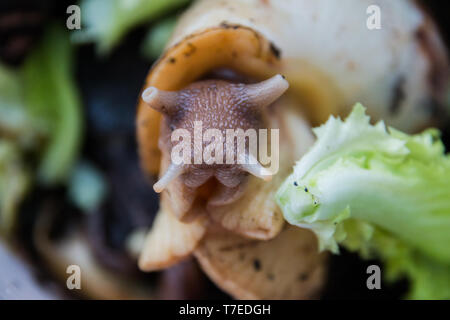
(71, 189)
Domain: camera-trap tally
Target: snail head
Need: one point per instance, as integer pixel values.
(216, 105)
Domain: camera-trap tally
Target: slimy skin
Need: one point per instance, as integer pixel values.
(218, 105)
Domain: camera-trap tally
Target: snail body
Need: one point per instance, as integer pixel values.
(331, 60)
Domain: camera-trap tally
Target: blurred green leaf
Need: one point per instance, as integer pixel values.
(14, 183)
(157, 38)
(107, 21)
(15, 122)
(87, 187)
(51, 96)
(40, 119)
(10, 88)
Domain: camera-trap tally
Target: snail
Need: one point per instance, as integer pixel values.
(223, 66)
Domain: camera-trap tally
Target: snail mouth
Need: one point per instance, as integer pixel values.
(210, 195)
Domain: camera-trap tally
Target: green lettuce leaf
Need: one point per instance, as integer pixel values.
(157, 37)
(107, 21)
(379, 192)
(16, 123)
(14, 184)
(52, 99)
(40, 122)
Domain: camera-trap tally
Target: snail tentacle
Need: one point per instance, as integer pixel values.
(171, 174)
(264, 93)
(160, 100)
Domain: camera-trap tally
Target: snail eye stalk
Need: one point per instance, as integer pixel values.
(265, 92)
(160, 100)
(171, 174)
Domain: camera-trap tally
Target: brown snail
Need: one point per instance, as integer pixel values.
(330, 60)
